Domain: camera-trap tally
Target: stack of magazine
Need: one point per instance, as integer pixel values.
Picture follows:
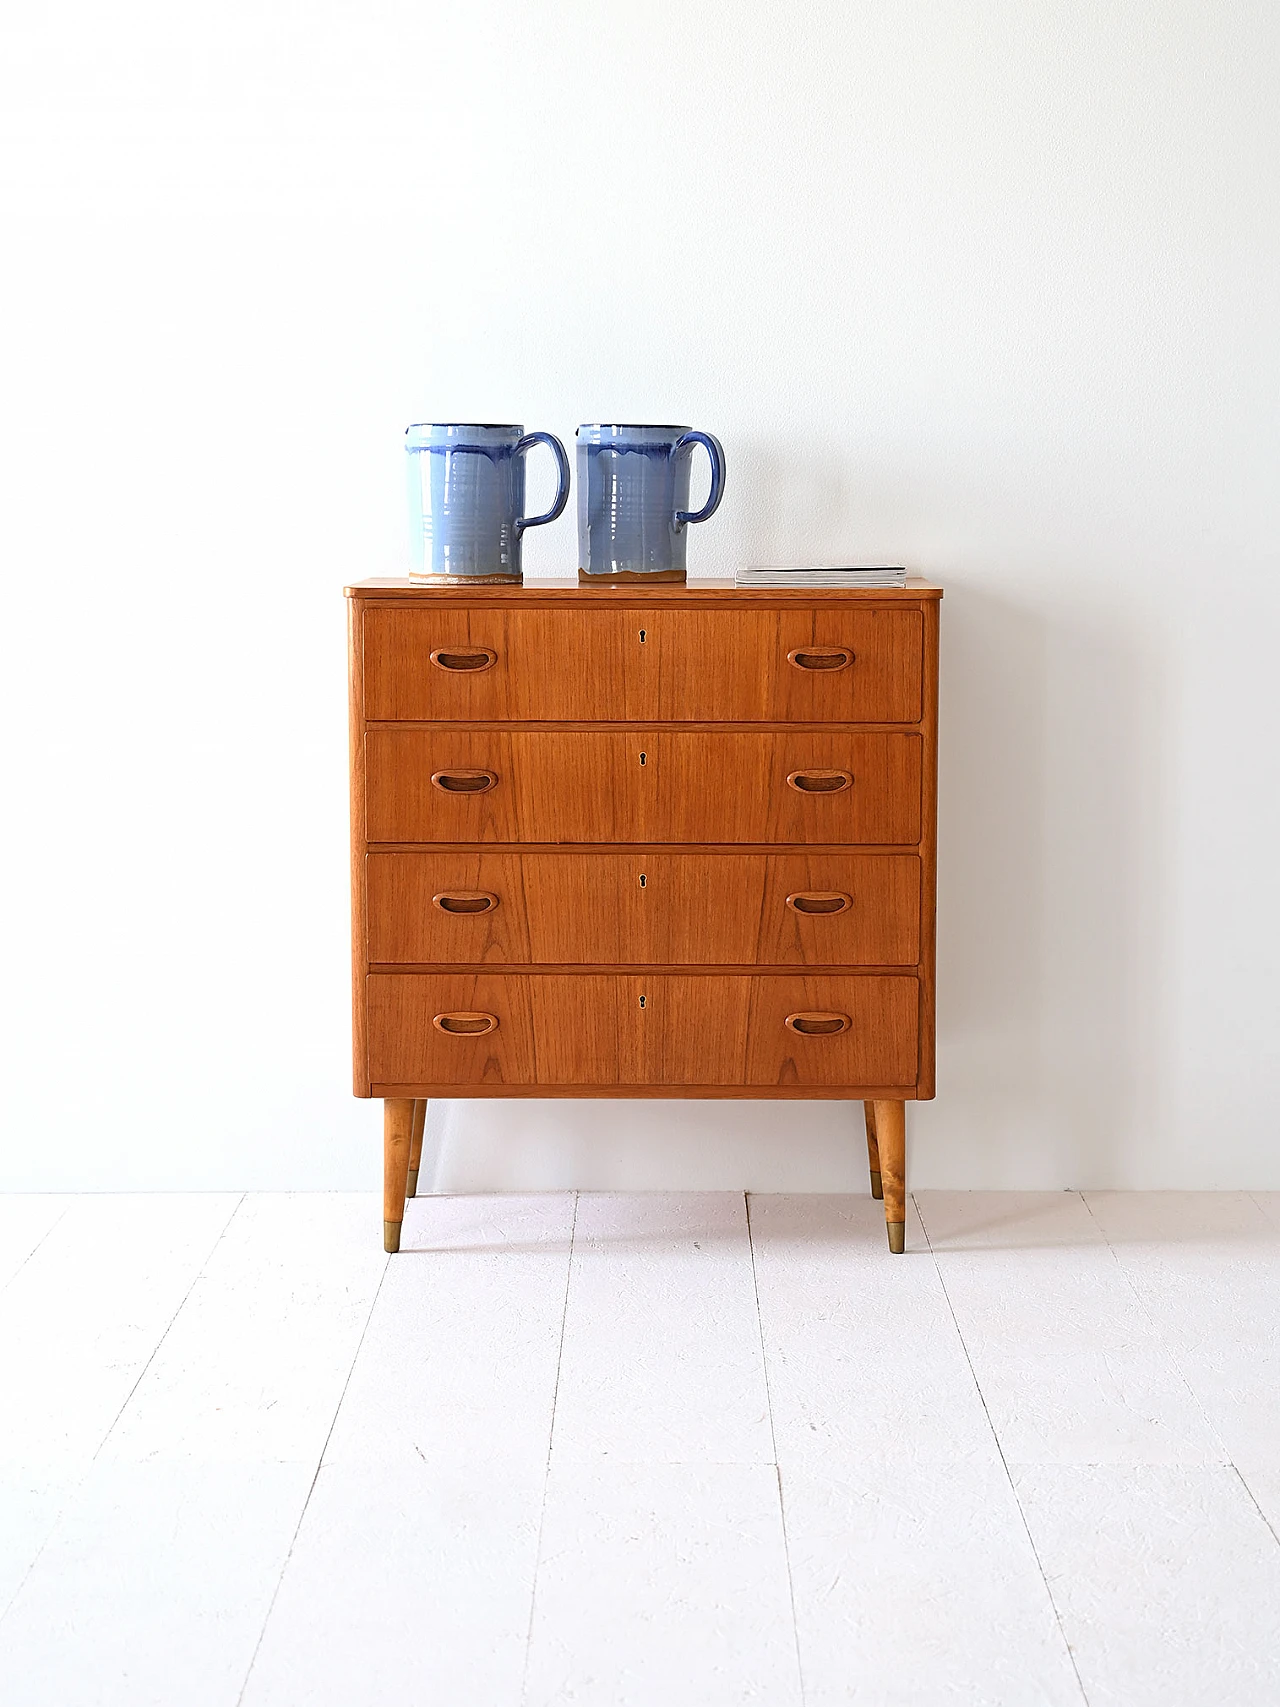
(820, 575)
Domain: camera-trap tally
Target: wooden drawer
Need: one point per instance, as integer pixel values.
(787, 666)
(643, 908)
(599, 786)
(695, 665)
(624, 1031)
(488, 664)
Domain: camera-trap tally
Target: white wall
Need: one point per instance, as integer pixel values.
(990, 287)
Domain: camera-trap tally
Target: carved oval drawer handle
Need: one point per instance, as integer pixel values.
(820, 901)
(820, 782)
(464, 782)
(820, 658)
(466, 1025)
(466, 901)
(817, 1025)
(464, 660)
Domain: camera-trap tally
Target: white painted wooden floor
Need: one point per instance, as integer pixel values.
(640, 1451)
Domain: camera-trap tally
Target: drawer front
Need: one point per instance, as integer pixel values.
(833, 1031)
(820, 665)
(823, 664)
(408, 1046)
(490, 785)
(643, 908)
(624, 1030)
(489, 665)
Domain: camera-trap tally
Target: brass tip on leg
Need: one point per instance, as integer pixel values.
(411, 1189)
(391, 1236)
(897, 1236)
(877, 1190)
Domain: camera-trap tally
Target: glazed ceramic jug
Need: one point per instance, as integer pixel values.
(633, 496)
(466, 499)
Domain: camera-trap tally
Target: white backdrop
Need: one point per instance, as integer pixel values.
(988, 287)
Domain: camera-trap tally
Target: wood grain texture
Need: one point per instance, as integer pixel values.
(736, 664)
(640, 850)
(891, 1141)
(641, 786)
(727, 664)
(873, 1149)
(636, 1029)
(397, 1131)
(643, 907)
(415, 1145)
(565, 591)
(880, 1047)
(406, 1047)
(929, 855)
(603, 849)
(571, 664)
(359, 927)
(720, 1093)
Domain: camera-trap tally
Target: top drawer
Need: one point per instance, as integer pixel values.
(822, 664)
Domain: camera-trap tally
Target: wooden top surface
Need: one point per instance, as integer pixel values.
(564, 588)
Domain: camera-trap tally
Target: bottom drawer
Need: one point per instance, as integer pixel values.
(468, 1032)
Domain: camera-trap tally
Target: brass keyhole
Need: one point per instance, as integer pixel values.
(643, 880)
(642, 1000)
(644, 758)
(642, 636)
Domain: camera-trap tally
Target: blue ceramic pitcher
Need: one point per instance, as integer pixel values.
(633, 497)
(466, 499)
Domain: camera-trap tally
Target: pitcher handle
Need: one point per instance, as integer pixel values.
(715, 450)
(562, 462)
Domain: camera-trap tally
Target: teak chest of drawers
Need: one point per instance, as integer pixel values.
(677, 842)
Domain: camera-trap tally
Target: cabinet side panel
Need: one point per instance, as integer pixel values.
(929, 853)
(359, 946)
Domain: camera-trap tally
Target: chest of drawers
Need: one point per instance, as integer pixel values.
(643, 843)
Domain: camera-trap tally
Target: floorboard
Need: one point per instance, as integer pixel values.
(1206, 1269)
(156, 1579)
(24, 1221)
(1069, 1363)
(1166, 1579)
(862, 1353)
(662, 1360)
(640, 1450)
(81, 1317)
(662, 1585)
(412, 1573)
(917, 1583)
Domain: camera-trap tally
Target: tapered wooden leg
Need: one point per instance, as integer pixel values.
(415, 1144)
(891, 1141)
(397, 1129)
(873, 1149)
